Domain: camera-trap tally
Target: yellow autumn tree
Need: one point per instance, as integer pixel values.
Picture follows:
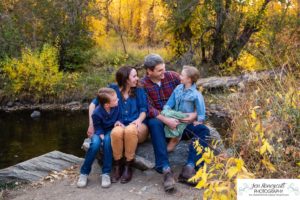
(35, 73)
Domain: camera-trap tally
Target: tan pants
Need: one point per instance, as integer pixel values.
(126, 140)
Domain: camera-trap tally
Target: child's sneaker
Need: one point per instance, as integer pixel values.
(86, 144)
(82, 181)
(105, 181)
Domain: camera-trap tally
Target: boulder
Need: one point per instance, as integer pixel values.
(38, 167)
(145, 158)
(35, 114)
(10, 104)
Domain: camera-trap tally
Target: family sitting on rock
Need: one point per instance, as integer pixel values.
(163, 103)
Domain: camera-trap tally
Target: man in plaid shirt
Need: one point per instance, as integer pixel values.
(159, 85)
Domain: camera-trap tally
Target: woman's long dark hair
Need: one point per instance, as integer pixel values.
(122, 75)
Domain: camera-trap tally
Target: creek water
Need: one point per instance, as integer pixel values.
(22, 138)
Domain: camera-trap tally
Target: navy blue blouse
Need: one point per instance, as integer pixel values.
(132, 106)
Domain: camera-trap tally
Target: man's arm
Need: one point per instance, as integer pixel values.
(153, 112)
(170, 122)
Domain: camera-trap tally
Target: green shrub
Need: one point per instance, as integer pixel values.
(34, 73)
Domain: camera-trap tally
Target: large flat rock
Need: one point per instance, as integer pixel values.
(38, 167)
(179, 156)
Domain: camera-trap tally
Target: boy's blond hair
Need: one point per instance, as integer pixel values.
(192, 72)
(104, 95)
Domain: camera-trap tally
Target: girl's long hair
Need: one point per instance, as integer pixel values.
(122, 75)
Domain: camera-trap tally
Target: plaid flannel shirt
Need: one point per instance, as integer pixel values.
(158, 96)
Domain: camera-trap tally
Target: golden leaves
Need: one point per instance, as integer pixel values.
(268, 165)
(266, 147)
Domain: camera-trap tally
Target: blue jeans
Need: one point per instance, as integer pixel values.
(159, 143)
(200, 133)
(92, 151)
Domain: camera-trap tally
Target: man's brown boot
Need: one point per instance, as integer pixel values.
(117, 171)
(127, 173)
(169, 181)
(187, 172)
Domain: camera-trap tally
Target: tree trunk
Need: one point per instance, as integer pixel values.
(218, 40)
(236, 45)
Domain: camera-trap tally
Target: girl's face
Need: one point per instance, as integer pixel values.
(133, 78)
(184, 79)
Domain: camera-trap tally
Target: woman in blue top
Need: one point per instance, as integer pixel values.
(126, 136)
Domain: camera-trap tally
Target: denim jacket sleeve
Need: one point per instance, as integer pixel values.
(141, 100)
(200, 107)
(97, 121)
(171, 102)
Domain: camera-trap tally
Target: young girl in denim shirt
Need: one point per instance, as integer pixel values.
(186, 99)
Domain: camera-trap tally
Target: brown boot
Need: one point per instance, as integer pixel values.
(127, 173)
(187, 172)
(169, 181)
(117, 171)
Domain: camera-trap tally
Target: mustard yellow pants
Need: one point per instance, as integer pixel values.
(125, 140)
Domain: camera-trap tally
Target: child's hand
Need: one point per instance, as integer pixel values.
(118, 123)
(197, 123)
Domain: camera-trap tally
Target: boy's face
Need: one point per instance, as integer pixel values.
(158, 72)
(184, 79)
(113, 101)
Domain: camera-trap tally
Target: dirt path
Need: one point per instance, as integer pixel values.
(146, 185)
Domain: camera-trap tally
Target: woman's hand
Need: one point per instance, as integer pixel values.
(118, 123)
(90, 131)
(137, 123)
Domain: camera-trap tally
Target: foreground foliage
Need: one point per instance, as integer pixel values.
(265, 137)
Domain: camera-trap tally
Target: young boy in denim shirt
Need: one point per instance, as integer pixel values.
(105, 117)
(186, 99)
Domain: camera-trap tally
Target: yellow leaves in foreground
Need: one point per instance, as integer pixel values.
(253, 114)
(266, 147)
(268, 165)
(207, 156)
(203, 175)
(236, 167)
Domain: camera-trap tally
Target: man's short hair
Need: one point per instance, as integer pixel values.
(152, 60)
(192, 72)
(104, 95)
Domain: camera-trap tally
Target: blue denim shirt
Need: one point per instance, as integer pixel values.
(187, 101)
(104, 121)
(131, 107)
